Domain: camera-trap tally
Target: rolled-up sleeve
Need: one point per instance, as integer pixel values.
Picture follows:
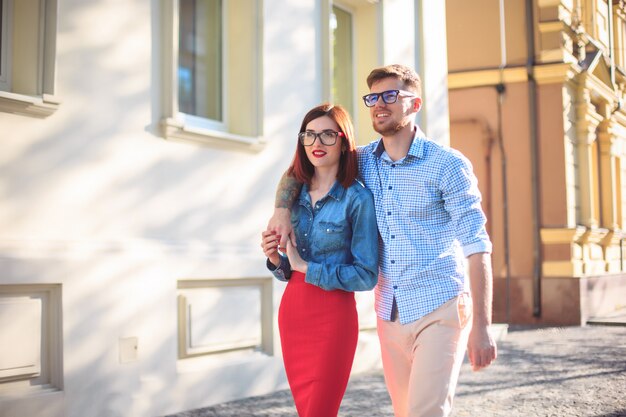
(462, 201)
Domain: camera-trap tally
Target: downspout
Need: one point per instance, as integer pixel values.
(611, 41)
(500, 88)
(534, 164)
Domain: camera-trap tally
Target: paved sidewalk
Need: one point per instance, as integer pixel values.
(550, 372)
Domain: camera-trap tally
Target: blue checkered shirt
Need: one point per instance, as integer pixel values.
(429, 218)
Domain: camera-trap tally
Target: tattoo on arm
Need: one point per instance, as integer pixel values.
(287, 192)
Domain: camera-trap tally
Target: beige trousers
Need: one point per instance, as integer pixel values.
(422, 359)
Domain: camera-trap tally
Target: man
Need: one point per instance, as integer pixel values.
(429, 218)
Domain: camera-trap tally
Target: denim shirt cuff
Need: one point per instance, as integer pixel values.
(282, 272)
(313, 273)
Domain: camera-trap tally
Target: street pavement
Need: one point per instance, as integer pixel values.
(540, 372)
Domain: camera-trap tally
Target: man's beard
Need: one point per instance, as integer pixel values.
(391, 129)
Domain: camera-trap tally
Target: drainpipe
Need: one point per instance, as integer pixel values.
(611, 41)
(500, 88)
(534, 164)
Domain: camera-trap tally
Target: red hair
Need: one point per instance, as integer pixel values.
(302, 169)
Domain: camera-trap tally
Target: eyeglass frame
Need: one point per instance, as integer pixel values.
(399, 93)
(318, 135)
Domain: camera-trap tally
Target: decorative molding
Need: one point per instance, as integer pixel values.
(552, 26)
(555, 73)
(594, 251)
(197, 293)
(46, 372)
(593, 235)
(573, 268)
(39, 107)
(598, 90)
(561, 235)
(174, 129)
(486, 77)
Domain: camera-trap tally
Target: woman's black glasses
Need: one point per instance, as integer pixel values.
(327, 137)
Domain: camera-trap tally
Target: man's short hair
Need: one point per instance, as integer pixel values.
(407, 75)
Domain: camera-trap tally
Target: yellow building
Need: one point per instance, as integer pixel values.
(537, 103)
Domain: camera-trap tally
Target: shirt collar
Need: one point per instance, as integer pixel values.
(416, 149)
(336, 191)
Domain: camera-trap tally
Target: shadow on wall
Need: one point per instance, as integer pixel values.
(122, 215)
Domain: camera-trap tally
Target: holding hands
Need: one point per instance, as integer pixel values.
(270, 242)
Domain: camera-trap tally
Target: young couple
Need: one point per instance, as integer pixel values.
(404, 229)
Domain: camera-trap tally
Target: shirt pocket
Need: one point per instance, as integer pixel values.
(333, 236)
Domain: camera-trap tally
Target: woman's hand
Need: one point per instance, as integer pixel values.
(269, 243)
(297, 263)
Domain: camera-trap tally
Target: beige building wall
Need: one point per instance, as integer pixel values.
(131, 278)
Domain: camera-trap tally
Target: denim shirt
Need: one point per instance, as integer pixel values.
(338, 238)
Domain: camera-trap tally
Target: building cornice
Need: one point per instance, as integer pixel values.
(555, 73)
(486, 77)
(543, 74)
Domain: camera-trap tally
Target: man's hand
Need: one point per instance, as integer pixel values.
(286, 194)
(481, 348)
(280, 224)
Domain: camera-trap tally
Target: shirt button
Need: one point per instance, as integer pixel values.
(390, 187)
(395, 287)
(393, 165)
(304, 250)
(392, 236)
(388, 213)
(306, 234)
(393, 262)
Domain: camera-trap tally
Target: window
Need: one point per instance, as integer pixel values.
(351, 47)
(342, 58)
(211, 72)
(242, 326)
(596, 20)
(200, 59)
(31, 324)
(602, 21)
(619, 36)
(5, 76)
(27, 71)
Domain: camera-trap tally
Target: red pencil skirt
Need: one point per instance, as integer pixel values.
(318, 333)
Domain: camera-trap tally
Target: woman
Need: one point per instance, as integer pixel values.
(336, 254)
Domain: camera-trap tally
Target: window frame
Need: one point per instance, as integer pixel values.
(6, 45)
(619, 37)
(174, 125)
(41, 100)
(366, 54)
(203, 123)
(351, 12)
(49, 378)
